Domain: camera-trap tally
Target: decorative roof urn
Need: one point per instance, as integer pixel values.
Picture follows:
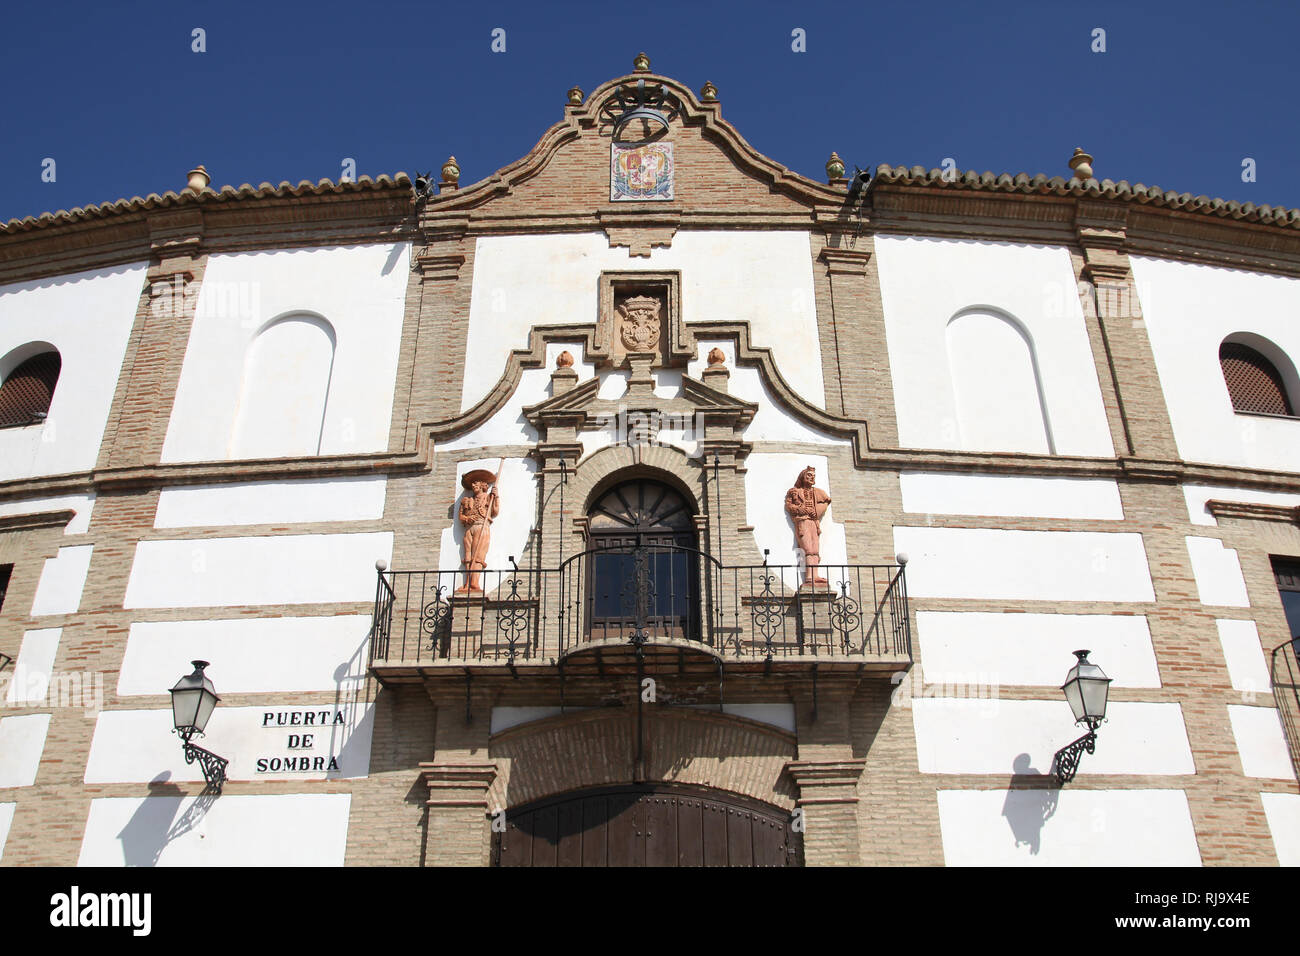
(198, 179)
(834, 168)
(450, 173)
(1081, 163)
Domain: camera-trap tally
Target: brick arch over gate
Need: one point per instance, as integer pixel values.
(615, 463)
(596, 747)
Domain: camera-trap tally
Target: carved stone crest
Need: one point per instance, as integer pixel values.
(639, 323)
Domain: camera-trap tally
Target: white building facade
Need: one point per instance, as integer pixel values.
(1049, 414)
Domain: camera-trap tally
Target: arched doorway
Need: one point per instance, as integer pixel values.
(643, 563)
(648, 825)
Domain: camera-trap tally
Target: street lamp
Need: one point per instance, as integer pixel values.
(193, 700)
(1086, 688)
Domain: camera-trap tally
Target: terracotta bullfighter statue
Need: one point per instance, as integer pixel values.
(477, 510)
(807, 504)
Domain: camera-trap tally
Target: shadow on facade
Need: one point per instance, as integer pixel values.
(1031, 801)
(152, 827)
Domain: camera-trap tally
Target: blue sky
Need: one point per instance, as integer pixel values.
(115, 95)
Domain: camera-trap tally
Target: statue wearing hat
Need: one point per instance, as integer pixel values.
(806, 505)
(477, 509)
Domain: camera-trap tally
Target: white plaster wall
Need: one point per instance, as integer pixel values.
(964, 735)
(508, 425)
(503, 718)
(272, 502)
(778, 715)
(613, 385)
(1188, 310)
(260, 655)
(767, 479)
(518, 496)
(1260, 742)
(6, 819)
(298, 829)
(88, 318)
(1245, 657)
(771, 422)
(924, 283)
(1024, 565)
(81, 504)
(1283, 813)
(764, 278)
(1217, 572)
(22, 739)
(139, 746)
(63, 577)
(29, 681)
(1067, 828)
(274, 569)
(1198, 495)
(1034, 649)
(593, 442)
(359, 290)
(1010, 496)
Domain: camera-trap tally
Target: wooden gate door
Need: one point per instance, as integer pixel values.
(647, 825)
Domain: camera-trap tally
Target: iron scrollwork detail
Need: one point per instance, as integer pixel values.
(640, 589)
(213, 767)
(434, 614)
(1065, 763)
(768, 611)
(513, 618)
(845, 616)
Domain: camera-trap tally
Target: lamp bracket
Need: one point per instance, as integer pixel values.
(1065, 763)
(214, 767)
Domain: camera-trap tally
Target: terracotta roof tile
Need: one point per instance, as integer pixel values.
(226, 194)
(1093, 188)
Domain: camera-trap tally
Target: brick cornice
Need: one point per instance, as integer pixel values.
(838, 261)
(826, 781)
(1254, 511)
(458, 784)
(40, 519)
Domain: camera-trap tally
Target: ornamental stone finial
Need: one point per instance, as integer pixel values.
(575, 96)
(709, 93)
(641, 64)
(717, 357)
(834, 167)
(198, 179)
(564, 359)
(1081, 163)
(451, 171)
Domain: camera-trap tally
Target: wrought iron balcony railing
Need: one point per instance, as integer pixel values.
(641, 596)
(1286, 695)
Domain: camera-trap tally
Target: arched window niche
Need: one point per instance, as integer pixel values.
(29, 376)
(1260, 377)
(997, 388)
(285, 390)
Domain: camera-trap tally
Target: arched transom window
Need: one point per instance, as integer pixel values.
(28, 390)
(1254, 383)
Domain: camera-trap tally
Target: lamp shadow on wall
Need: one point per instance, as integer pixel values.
(1031, 801)
(151, 827)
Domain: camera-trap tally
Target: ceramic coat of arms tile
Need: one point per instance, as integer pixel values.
(641, 172)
